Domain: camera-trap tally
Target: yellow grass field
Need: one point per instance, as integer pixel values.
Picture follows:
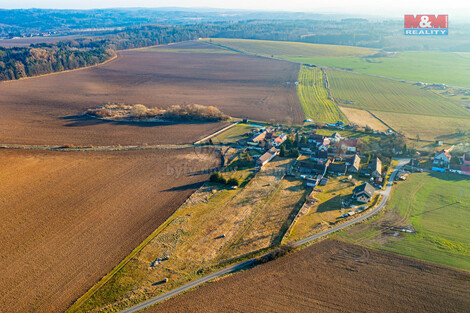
(252, 217)
(427, 127)
(363, 118)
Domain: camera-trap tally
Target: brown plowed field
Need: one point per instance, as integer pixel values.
(67, 218)
(45, 110)
(332, 276)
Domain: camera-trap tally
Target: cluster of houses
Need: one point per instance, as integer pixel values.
(442, 162)
(335, 155)
(267, 138)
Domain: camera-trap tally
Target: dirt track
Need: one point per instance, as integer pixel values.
(46, 110)
(69, 217)
(332, 276)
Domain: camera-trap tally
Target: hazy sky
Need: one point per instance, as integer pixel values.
(377, 7)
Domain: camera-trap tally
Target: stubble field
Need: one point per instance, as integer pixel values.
(46, 110)
(332, 276)
(69, 217)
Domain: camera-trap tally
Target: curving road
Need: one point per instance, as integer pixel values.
(236, 267)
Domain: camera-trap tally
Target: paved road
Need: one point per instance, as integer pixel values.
(233, 268)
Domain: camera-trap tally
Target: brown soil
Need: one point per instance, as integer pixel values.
(67, 218)
(46, 110)
(333, 276)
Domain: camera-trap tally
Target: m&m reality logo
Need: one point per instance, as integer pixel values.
(426, 24)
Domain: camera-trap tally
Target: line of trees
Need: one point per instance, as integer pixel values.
(47, 58)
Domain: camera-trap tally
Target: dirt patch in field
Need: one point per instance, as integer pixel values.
(332, 276)
(69, 217)
(363, 118)
(47, 110)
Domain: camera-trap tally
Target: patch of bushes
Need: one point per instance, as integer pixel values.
(218, 178)
(195, 112)
(192, 112)
(277, 253)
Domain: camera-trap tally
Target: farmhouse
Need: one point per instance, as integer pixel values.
(375, 168)
(277, 141)
(465, 164)
(337, 168)
(442, 158)
(336, 137)
(313, 168)
(353, 163)
(320, 155)
(349, 145)
(257, 139)
(363, 193)
(268, 156)
(318, 140)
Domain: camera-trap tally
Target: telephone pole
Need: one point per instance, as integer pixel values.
(460, 198)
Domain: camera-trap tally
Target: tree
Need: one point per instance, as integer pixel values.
(294, 153)
(282, 152)
(233, 182)
(217, 178)
(139, 111)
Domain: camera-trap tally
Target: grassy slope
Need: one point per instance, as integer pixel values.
(314, 97)
(380, 94)
(429, 202)
(433, 67)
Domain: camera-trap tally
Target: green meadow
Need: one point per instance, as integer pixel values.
(451, 68)
(381, 94)
(429, 202)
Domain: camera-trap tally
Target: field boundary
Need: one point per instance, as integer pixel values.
(302, 210)
(383, 122)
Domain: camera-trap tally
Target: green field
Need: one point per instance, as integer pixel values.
(431, 67)
(286, 49)
(429, 201)
(450, 68)
(381, 94)
(233, 134)
(314, 97)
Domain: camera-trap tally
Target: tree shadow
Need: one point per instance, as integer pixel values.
(436, 209)
(331, 205)
(185, 187)
(449, 176)
(82, 120)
